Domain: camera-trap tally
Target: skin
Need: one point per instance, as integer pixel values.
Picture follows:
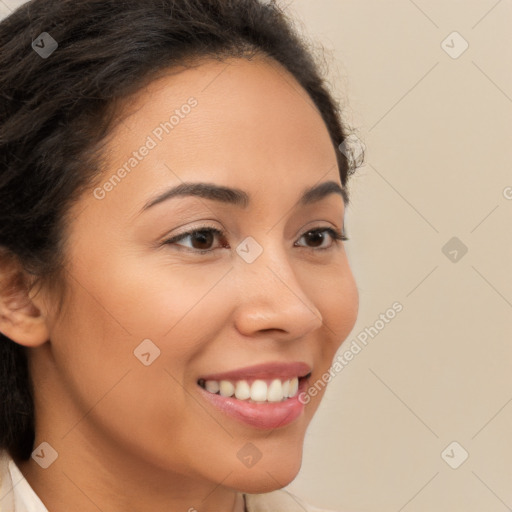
(141, 438)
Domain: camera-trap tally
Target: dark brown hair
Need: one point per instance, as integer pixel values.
(56, 112)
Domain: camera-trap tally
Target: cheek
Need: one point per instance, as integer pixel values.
(337, 299)
(348, 300)
(128, 317)
(151, 297)
(115, 395)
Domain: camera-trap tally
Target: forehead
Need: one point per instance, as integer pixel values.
(241, 106)
(239, 123)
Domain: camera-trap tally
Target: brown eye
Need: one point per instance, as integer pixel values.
(317, 237)
(201, 240)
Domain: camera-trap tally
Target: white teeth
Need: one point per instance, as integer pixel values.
(259, 391)
(226, 388)
(294, 386)
(212, 386)
(242, 390)
(275, 391)
(286, 388)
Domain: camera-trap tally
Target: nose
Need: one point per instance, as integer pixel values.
(272, 299)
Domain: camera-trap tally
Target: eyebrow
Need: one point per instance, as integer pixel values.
(240, 198)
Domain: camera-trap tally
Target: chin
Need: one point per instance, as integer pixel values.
(268, 477)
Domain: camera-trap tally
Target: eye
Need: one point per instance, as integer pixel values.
(318, 238)
(202, 239)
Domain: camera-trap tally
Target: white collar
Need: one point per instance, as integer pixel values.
(16, 495)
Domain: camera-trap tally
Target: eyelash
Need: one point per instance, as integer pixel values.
(335, 235)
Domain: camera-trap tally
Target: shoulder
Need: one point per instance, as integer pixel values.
(280, 501)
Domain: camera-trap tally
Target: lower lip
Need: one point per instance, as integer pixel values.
(263, 415)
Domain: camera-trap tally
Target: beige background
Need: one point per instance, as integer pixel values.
(437, 132)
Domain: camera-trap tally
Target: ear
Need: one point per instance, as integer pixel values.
(20, 319)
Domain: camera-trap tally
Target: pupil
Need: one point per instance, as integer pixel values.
(319, 236)
(201, 236)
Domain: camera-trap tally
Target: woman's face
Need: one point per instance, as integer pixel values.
(147, 317)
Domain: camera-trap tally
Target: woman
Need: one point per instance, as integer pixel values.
(173, 275)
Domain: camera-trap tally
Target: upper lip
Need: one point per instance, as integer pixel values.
(272, 370)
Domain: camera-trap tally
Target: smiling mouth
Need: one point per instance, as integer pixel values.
(255, 390)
